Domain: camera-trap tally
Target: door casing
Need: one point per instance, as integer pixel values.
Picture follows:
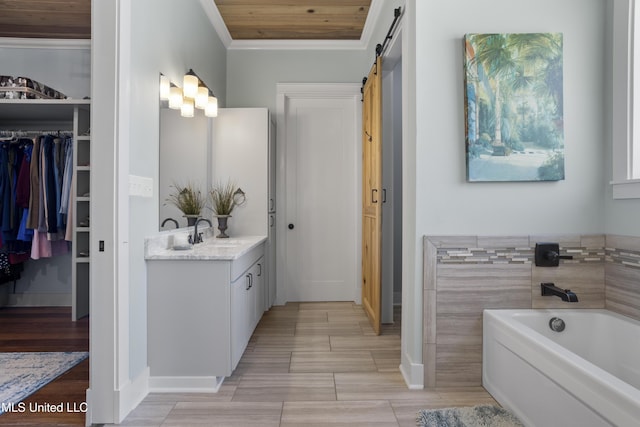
(285, 93)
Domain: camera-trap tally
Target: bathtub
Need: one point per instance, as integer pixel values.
(587, 375)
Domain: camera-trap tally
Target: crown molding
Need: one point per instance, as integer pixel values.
(375, 10)
(297, 45)
(36, 43)
(211, 10)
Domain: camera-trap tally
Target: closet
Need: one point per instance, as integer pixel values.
(29, 117)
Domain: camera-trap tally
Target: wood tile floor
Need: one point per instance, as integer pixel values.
(309, 364)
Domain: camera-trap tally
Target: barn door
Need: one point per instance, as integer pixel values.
(372, 193)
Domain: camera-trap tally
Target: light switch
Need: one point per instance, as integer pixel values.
(140, 186)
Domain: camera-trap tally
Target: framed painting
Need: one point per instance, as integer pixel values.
(514, 107)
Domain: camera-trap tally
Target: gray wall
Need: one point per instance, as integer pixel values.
(446, 203)
(156, 47)
(621, 216)
(252, 75)
(65, 70)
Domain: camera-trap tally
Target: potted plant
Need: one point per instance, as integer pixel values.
(188, 199)
(224, 198)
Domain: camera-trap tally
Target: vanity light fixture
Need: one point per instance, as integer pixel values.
(165, 87)
(190, 84)
(202, 97)
(194, 94)
(211, 110)
(175, 97)
(187, 108)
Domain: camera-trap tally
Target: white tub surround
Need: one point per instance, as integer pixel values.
(586, 375)
(203, 305)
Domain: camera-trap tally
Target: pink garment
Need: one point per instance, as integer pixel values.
(40, 246)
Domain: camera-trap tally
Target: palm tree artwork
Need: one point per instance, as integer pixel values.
(514, 107)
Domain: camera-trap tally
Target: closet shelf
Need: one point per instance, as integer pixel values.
(15, 111)
(70, 116)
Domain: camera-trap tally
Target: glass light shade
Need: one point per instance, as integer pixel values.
(175, 98)
(190, 85)
(211, 110)
(202, 97)
(187, 109)
(165, 87)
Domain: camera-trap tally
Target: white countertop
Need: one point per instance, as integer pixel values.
(161, 246)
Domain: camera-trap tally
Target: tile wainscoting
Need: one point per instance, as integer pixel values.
(463, 275)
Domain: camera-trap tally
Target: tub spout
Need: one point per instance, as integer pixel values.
(550, 289)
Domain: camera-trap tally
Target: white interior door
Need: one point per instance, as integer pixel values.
(322, 199)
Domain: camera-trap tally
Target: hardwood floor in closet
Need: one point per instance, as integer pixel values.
(309, 364)
(48, 329)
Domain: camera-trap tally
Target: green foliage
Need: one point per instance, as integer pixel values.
(553, 168)
(541, 134)
(485, 140)
(225, 197)
(187, 198)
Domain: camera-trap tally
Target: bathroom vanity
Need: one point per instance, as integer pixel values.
(203, 304)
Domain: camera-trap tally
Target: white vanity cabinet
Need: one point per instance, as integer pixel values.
(202, 307)
(247, 292)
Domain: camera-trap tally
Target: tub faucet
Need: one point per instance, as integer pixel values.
(170, 219)
(550, 289)
(197, 237)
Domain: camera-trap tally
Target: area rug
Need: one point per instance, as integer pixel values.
(476, 416)
(21, 374)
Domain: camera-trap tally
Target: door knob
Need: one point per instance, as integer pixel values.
(291, 226)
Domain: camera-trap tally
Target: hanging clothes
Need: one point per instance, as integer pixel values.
(35, 196)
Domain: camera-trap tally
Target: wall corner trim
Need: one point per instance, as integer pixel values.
(132, 394)
(412, 373)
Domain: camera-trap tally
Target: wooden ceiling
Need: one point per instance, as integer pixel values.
(294, 19)
(55, 19)
(245, 19)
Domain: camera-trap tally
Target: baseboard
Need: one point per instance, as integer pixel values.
(185, 384)
(413, 373)
(131, 394)
(39, 300)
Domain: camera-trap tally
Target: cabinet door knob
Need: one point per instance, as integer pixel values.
(291, 226)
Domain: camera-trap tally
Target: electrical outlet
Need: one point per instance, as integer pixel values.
(140, 186)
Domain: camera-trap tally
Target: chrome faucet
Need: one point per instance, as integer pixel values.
(170, 219)
(197, 237)
(550, 289)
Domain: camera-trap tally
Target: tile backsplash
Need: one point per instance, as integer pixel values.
(463, 275)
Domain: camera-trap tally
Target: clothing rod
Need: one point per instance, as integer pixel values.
(33, 132)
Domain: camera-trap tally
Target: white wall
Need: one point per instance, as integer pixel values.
(252, 75)
(621, 216)
(66, 70)
(447, 204)
(175, 37)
